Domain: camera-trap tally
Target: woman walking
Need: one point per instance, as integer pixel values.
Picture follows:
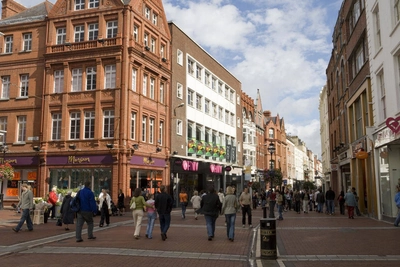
(137, 212)
(104, 207)
(341, 202)
(183, 199)
(229, 207)
(151, 216)
(67, 214)
(351, 202)
(196, 201)
(120, 203)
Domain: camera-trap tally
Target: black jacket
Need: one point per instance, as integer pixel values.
(163, 203)
(210, 205)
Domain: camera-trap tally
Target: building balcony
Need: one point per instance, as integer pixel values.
(69, 46)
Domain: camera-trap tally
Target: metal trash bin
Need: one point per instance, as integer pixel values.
(268, 238)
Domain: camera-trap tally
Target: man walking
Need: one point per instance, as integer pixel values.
(245, 202)
(88, 207)
(330, 200)
(211, 208)
(163, 204)
(26, 205)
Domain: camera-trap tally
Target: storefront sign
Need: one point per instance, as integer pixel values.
(19, 161)
(190, 165)
(215, 168)
(385, 136)
(145, 161)
(393, 124)
(79, 160)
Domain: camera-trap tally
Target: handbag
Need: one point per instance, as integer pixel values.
(59, 222)
(133, 205)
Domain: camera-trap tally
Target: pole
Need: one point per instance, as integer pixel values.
(271, 202)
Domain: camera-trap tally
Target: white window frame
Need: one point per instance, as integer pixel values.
(179, 127)
(56, 126)
(151, 130)
(58, 81)
(23, 85)
(8, 44)
(79, 33)
(207, 106)
(179, 91)
(108, 123)
(3, 127)
(179, 57)
(136, 33)
(190, 97)
(75, 125)
(147, 12)
(161, 97)
(199, 101)
(382, 94)
(133, 125)
(152, 85)
(61, 35)
(27, 44)
(161, 133)
(89, 127)
(93, 31)
(144, 128)
(91, 76)
(134, 79)
(79, 5)
(5, 87)
(93, 3)
(76, 83)
(155, 19)
(153, 45)
(21, 123)
(190, 67)
(110, 72)
(144, 89)
(112, 29)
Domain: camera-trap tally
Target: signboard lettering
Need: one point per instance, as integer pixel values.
(190, 165)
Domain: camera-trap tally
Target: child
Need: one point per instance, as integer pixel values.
(151, 216)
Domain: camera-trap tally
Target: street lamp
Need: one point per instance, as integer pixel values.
(271, 150)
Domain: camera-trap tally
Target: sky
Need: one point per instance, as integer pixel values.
(281, 47)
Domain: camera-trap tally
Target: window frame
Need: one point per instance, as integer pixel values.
(108, 123)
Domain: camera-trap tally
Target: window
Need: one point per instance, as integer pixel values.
(162, 51)
(179, 57)
(147, 12)
(214, 83)
(198, 72)
(152, 83)
(75, 125)
(220, 113)
(27, 42)
(108, 124)
(190, 98)
(227, 92)
(134, 79)
(146, 40)
(23, 85)
(21, 120)
(79, 4)
(136, 33)
(144, 89)
(378, 39)
(91, 78)
(271, 134)
(93, 31)
(56, 126)
(144, 126)
(155, 18)
(93, 3)
(214, 110)
(3, 127)
(207, 79)
(8, 43)
(151, 131)
(79, 33)
(190, 66)
(226, 116)
(198, 101)
(355, 15)
(133, 125)
(110, 74)
(179, 127)
(76, 84)
(89, 124)
(162, 93)
(112, 29)
(61, 35)
(207, 106)
(153, 45)
(358, 118)
(5, 87)
(161, 133)
(232, 95)
(397, 10)
(179, 91)
(382, 94)
(232, 119)
(58, 81)
(359, 59)
(220, 88)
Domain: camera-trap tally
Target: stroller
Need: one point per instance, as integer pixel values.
(114, 209)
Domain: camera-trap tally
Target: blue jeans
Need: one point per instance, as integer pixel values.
(331, 206)
(183, 209)
(320, 207)
(280, 209)
(25, 217)
(397, 221)
(230, 225)
(165, 221)
(151, 218)
(210, 223)
(81, 218)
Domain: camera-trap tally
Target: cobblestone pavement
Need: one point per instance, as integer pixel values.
(311, 239)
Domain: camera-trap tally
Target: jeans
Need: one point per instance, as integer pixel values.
(397, 221)
(305, 206)
(341, 206)
(151, 218)
(104, 215)
(183, 206)
(246, 210)
(280, 209)
(165, 221)
(53, 211)
(230, 225)
(320, 207)
(210, 223)
(297, 206)
(331, 206)
(82, 217)
(25, 217)
(137, 220)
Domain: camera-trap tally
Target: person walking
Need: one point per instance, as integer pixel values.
(104, 207)
(297, 199)
(279, 201)
(183, 200)
(221, 195)
(320, 201)
(330, 200)
(245, 203)
(53, 198)
(306, 198)
(151, 216)
(67, 215)
(357, 210)
(254, 200)
(121, 203)
(26, 205)
(211, 208)
(137, 212)
(196, 201)
(351, 202)
(163, 204)
(88, 207)
(229, 208)
(341, 202)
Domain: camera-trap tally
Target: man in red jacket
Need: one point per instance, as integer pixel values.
(53, 200)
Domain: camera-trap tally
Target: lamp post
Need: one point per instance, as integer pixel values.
(271, 150)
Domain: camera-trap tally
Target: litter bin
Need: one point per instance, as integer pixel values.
(1, 201)
(268, 238)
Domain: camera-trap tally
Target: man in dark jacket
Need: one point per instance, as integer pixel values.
(211, 208)
(330, 201)
(88, 207)
(163, 204)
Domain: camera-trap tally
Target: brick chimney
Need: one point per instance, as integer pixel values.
(267, 113)
(10, 8)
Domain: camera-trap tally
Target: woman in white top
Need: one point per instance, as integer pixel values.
(196, 200)
(104, 207)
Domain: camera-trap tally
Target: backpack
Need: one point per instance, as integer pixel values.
(75, 204)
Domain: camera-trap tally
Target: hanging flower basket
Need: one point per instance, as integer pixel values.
(6, 171)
